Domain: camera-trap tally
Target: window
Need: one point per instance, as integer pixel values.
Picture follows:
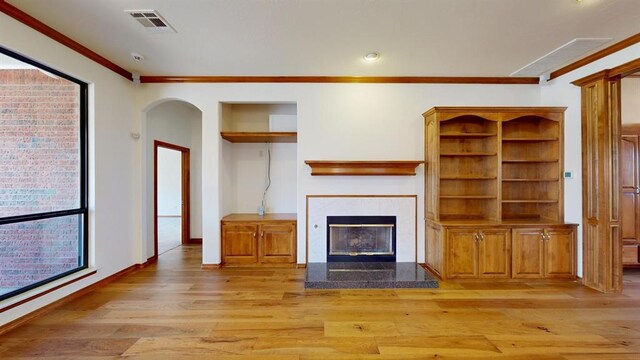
(43, 174)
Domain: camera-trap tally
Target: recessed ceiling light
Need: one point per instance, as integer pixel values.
(372, 56)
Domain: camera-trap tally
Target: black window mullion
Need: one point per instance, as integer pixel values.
(82, 210)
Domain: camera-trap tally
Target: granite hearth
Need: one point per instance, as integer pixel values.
(367, 275)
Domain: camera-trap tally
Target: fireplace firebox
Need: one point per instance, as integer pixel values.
(361, 238)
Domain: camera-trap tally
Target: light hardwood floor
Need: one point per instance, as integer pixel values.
(175, 310)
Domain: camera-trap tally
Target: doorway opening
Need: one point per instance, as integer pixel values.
(171, 196)
(630, 172)
(602, 194)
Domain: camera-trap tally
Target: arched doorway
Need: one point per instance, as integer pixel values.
(172, 124)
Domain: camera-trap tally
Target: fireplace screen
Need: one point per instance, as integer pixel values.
(361, 238)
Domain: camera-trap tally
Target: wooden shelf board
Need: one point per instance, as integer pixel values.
(468, 135)
(469, 154)
(529, 201)
(474, 197)
(529, 180)
(529, 139)
(529, 161)
(468, 177)
(260, 137)
(363, 168)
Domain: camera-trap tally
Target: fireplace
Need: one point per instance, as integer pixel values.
(361, 238)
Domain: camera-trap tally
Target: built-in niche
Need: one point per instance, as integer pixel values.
(258, 157)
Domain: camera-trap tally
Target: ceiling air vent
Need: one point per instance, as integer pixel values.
(152, 21)
(561, 56)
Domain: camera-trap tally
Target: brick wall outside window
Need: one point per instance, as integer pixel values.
(39, 172)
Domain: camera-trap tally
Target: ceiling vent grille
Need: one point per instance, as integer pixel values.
(152, 21)
(561, 56)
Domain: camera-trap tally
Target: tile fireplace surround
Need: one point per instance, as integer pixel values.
(403, 207)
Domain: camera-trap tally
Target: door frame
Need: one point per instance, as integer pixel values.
(185, 192)
(608, 265)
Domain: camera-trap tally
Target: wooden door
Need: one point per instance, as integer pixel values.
(239, 244)
(277, 243)
(630, 206)
(494, 253)
(462, 257)
(601, 236)
(528, 253)
(560, 253)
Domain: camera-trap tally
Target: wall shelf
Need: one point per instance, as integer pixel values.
(260, 137)
(363, 168)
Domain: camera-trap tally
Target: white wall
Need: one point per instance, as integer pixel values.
(630, 99)
(244, 168)
(177, 123)
(335, 122)
(560, 92)
(113, 164)
(169, 182)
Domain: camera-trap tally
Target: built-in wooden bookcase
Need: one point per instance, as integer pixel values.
(493, 177)
(532, 168)
(494, 163)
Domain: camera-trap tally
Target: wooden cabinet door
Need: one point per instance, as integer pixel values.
(528, 253)
(560, 253)
(462, 257)
(277, 243)
(494, 253)
(434, 249)
(239, 244)
(629, 204)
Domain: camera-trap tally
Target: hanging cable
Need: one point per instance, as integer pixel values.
(264, 194)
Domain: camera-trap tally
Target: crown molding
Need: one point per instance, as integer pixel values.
(41, 27)
(632, 40)
(342, 79)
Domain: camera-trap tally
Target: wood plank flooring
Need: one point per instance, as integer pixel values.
(175, 310)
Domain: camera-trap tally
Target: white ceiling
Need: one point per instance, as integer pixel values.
(330, 37)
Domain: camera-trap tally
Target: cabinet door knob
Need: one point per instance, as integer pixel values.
(262, 234)
(254, 235)
(475, 237)
(481, 234)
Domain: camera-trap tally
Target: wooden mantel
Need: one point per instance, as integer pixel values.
(363, 168)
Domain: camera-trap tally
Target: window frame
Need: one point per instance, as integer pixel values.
(83, 209)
